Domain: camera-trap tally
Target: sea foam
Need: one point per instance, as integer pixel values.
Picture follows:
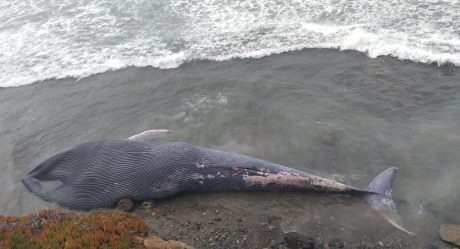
(55, 39)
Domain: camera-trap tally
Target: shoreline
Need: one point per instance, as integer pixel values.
(194, 224)
(340, 115)
(444, 66)
(213, 222)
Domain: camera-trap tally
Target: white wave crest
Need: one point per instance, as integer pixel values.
(55, 39)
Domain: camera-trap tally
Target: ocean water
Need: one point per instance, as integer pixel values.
(342, 89)
(57, 39)
(341, 115)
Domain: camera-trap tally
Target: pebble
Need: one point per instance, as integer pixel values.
(147, 205)
(274, 217)
(336, 244)
(450, 233)
(155, 242)
(295, 240)
(272, 244)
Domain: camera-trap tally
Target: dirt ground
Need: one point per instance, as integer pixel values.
(259, 220)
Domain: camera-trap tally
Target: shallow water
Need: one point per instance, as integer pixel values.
(341, 115)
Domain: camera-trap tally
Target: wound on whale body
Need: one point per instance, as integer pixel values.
(100, 174)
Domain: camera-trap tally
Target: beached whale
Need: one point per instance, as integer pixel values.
(100, 174)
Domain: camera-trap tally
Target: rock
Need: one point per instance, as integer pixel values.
(330, 138)
(125, 205)
(147, 205)
(298, 241)
(336, 244)
(138, 240)
(155, 242)
(274, 217)
(432, 246)
(450, 233)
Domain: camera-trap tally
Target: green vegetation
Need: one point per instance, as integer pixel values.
(56, 229)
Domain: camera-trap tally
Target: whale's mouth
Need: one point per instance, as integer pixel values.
(48, 185)
(40, 188)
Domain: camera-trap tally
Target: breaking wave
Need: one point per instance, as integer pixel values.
(56, 39)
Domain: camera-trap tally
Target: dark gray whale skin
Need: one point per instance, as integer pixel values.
(99, 174)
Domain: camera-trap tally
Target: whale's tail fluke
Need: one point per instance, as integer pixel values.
(381, 197)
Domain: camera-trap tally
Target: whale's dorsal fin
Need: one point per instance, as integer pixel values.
(150, 135)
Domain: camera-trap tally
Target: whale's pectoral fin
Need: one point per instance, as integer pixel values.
(150, 135)
(125, 205)
(381, 198)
